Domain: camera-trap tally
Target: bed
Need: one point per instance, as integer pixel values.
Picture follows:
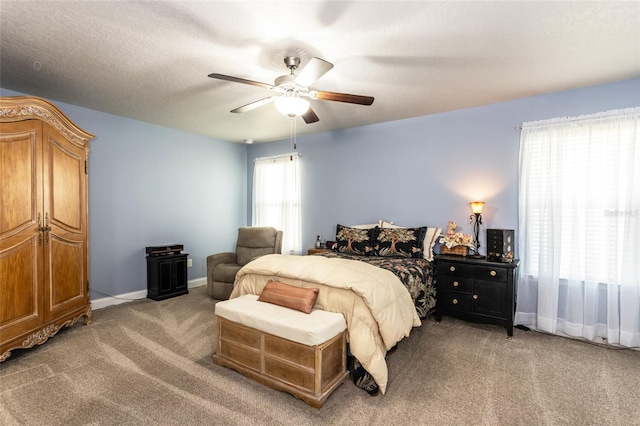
(379, 278)
(417, 276)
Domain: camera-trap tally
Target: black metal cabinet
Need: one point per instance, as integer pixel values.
(476, 290)
(166, 276)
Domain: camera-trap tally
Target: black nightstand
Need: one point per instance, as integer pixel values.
(476, 290)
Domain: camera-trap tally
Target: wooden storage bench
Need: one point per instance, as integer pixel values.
(303, 354)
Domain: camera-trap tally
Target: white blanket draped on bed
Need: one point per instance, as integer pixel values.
(376, 306)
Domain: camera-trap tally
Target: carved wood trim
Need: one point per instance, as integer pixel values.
(50, 330)
(20, 108)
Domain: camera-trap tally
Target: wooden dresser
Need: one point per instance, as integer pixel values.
(476, 290)
(43, 223)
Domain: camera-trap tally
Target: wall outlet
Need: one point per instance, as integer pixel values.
(189, 263)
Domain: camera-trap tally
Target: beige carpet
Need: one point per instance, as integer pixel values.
(148, 363)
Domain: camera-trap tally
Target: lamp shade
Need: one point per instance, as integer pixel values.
(291, 105)
(476, 206)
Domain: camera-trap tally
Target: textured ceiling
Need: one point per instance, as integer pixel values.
(150, 60)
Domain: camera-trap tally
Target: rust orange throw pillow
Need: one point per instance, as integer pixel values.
(301, 299)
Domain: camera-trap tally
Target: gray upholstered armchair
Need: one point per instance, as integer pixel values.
(252, 242)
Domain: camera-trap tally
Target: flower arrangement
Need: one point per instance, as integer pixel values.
(453, 238)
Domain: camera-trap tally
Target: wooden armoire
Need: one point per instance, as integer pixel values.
(44, 257)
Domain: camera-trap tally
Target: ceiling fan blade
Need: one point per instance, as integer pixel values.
(311, 72)
(341, 97)
(254, 105)
(240, 80)
(310, 116)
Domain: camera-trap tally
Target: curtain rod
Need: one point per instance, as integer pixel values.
(614, 113)
(275, 157)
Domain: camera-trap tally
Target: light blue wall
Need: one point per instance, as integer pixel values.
(425, 170)
(152, 185)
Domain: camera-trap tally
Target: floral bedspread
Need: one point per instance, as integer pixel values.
(416, 275)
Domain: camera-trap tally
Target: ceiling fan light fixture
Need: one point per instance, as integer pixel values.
(291, 88)
(291, 105)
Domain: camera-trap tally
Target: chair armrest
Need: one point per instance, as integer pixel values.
(216, 259)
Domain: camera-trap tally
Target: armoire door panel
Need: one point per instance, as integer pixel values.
(20, 176)
(66, 282)
(21, 305)
(66, 176)
(21, 262)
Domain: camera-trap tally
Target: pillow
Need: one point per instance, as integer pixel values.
(354, 240)
(388, 224)
(289, 296)
(365, 226)
(400, 242)
(430, 239)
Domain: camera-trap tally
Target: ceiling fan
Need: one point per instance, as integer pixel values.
(291, 90)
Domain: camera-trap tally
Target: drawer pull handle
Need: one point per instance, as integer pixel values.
(456, 283)
(475, 297)
(452, 268)
(493, 273)
(455, 301)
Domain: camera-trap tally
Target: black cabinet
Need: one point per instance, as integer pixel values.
(166, 276)
(500, 245)
(476, 290)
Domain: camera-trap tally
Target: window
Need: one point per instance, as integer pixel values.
(276, 198)
(579, 206)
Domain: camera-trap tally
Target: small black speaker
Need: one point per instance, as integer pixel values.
(500, 245)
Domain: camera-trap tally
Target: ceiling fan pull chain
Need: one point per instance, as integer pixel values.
(291, 137)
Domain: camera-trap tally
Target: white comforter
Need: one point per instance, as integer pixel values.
(376, 306)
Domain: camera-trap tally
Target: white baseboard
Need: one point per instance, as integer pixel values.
(103, 302)
(198, 282)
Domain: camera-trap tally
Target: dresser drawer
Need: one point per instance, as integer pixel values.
(461, 270)
(452, 301)
(491, 273)
(453, 283)
(454, 269)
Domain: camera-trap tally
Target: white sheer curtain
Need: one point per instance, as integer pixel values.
(276, 198)
(579, 226)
